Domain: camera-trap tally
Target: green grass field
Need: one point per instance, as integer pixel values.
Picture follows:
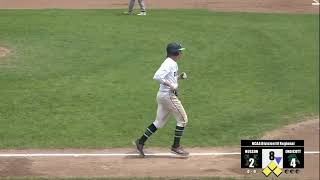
(83, 78)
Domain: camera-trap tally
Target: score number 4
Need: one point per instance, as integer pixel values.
(293, 162)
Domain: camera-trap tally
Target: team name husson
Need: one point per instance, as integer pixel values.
(277, 143)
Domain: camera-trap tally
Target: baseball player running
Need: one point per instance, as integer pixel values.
(142, 7)
(167, 99)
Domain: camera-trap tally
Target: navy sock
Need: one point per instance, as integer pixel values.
(177, 136)
(150, 130)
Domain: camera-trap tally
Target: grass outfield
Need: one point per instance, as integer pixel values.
(83, 78)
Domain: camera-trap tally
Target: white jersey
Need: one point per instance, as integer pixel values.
(168, 71)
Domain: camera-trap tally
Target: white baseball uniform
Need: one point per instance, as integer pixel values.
(168, 102)
(141, 4)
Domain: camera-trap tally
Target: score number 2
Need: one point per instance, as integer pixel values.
(251, 163)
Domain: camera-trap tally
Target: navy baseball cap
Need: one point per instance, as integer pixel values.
(174, 47)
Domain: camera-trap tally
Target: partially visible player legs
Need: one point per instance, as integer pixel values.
(131, 5)
(182, 120)
(140, 142)
(142, 8)
(177, 136)
(149, 131)
(161, 119)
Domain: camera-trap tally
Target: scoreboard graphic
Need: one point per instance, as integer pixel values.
(273, 156)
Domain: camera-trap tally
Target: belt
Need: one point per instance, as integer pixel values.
(175, 92)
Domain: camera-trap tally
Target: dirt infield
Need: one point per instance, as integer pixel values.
(155, 166)
(279, 6)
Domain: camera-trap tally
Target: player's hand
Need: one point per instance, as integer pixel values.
(173, 87)
(183, 75)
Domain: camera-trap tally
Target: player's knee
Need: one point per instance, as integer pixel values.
(183, 122)
(158, 124)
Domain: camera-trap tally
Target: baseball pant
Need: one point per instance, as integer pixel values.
(168, 104)
(141, 4)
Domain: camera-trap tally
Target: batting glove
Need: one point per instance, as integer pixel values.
(183, 75)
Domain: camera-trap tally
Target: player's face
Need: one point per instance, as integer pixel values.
(180, 55)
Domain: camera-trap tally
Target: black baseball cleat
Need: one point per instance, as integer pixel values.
(179, 151)
(139, 147)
